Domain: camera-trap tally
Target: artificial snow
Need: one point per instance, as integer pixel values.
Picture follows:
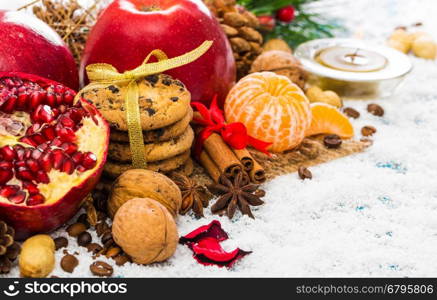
(369, 214)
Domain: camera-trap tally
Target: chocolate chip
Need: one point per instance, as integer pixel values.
(351, 113)
(153, 79)
(84, 239)
(304, 173)
(149, 100)
(69, 263)
(332, 141)
(75, 229)
(94, 248)
(151, 111)
(159, 132)
(375, 109)
(368, 130)
(166, 81)
(113, 89)
(100, 268)
(60, 242)
(178, 83)
(174, 99)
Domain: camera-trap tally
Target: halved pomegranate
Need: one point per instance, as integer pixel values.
(52, 152)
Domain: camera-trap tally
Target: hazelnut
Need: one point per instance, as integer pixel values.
(145, 230)
(37, 258)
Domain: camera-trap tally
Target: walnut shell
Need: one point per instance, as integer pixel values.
(140, 183)
(281, 63)
(37, 258)
(145, 230)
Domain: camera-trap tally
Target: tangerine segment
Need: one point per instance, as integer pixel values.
(272, 108)
(328, 119)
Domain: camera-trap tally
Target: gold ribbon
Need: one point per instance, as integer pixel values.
(101, 75)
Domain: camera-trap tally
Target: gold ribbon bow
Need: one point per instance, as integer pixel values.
(104, 74)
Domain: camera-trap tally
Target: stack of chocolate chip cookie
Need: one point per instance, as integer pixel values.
(165, 116)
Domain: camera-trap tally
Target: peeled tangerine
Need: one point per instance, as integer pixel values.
(327, 119)
(140, 183)
(272, 108)
(145, 230)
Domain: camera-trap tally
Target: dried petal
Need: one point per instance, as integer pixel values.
(213, 229)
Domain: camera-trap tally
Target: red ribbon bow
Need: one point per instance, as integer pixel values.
(234, 134)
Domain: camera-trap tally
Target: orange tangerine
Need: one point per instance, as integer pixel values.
(328, 119)
(272, 108)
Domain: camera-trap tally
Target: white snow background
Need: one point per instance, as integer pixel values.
(370, 214)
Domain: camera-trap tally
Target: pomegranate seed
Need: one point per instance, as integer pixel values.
(68, 166)
(43, 113)
(28, 153)
(35, 200)
(81, 169)
(18, 164)
(20, 151)
(42, 177)
(68, 98)
(9, 190)
(9, 106)
(76, 114)
(32, 129)
(58, 159)
(33, 165)
(5, 165)
(89, 160)
(49, 132)
(8, 153)
(28, 140)
(24, 173)
(46, 161)
(18, 197)
(30, 187)
(59, 89)
(66, 121)
(36, 153)
(36, 99)
(5, 176)
(77, 158)
(55, 112)
(9, 82)
(22, 101)
(51, 99)
(56, 142)
(65, 134)
(69, 148)
(59, 99)
(38, 138)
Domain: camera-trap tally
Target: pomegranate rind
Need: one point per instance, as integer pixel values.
(44, 218)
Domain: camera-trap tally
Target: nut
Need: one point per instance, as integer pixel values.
(37, 258)
(281, 63)
(141, 183)
(424, 46)
(277, 44)
(145, 230)
(316, 94)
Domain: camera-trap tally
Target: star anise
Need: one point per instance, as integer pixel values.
(235, 193)
(194, 196)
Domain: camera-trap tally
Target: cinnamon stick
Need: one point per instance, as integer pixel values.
(210, 166)
(245, 158)
(257, 174)
(222, 155)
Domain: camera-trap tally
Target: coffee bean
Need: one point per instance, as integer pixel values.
(107, 236)
(83, 218)
(100, 200)
(69, 263)
(351, 113)
(60, 242)
(112, 252)
(102, 228)
(332, 141)
(121, 259)
(75, 229)
(304, 173)
(101, 216)
(368, 130)
(94, 248)
(102, 269)
(375, 109)
(84, 239)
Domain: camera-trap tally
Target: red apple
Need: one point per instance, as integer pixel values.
(52, 152)
(128, 30)
(29, 45)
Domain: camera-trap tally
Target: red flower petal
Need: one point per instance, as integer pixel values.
(213, 229)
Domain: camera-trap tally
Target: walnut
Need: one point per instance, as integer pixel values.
(37, 258)
(277, 44)
(281, 63)
(424, 46)
(144, 184)
(145, 230)
(316, 94)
